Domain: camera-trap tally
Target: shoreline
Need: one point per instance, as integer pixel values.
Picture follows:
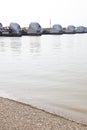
(22, 116)
(61, 110)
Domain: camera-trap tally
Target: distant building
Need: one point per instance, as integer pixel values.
(15, 29)
(34, 29)
(1, 27)
(70, 29)
(80, 29)
(56, 29)
(85, 29)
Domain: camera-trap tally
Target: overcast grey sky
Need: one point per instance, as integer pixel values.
(64, 12)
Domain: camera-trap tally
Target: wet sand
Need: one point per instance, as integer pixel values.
(19, 116)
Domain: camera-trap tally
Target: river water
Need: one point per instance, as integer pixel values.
(49, 72)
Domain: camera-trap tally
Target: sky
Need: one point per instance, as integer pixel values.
(64, 12)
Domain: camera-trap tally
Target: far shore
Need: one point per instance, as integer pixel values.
(19, 116)
(45, 31)
(35, 29)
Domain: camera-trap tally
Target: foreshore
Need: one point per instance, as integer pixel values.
(19, 116)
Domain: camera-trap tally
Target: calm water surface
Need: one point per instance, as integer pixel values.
(49, 72)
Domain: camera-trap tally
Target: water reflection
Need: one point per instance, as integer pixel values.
(35, 44)
(56, 41)
(2, 44)
(15, 44)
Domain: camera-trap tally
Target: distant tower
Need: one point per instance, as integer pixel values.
(50, 22)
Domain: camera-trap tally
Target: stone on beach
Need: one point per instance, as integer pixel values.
(19, 116)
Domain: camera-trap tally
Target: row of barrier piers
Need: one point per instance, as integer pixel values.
(35, 29)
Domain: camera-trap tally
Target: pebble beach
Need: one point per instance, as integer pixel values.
(19, 116)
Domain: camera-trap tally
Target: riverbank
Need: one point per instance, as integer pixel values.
(19, 116)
